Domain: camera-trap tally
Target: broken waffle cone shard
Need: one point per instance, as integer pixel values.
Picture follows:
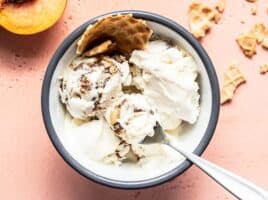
(233, 77)
(254, 9)
(220, 5)
(265, 39)
(126, 31)
(105, 47)
(202, 17)
(264, 68)
(227, 94)
(247, 43)
(258, 30)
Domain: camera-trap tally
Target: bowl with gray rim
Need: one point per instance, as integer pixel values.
(195, 141)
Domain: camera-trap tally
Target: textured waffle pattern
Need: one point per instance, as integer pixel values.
(233, 77)
(127, 32)
(248, 44)
(202, 17)
(258, 30)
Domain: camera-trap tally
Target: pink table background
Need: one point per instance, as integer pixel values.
(30, 168)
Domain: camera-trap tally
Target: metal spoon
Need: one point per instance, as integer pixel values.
(238, 186)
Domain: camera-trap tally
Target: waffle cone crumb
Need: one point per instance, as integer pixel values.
(247, 43)
(258, 30)
(220, 5)
(233, 77)
(265, 39)
(202, 18)
(264, 68)
(254, 9)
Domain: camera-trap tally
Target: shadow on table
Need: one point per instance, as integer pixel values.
(23, 45)
(80, 188)
(28, 45)
(19, 49)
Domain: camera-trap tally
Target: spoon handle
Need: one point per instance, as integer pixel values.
(238, 186)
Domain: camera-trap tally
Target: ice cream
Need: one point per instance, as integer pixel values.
(89, 85)
(168, 80)
(94, 90)
(132, 118)
(119, 92)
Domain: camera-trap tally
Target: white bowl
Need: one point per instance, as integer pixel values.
(195, 138)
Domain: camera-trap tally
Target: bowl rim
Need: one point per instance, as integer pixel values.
(152, 181)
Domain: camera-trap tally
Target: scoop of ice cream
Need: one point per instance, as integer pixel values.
(169, 83)
(91, 84)
(132, 118)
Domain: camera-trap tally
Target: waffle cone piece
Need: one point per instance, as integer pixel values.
(202, 17)
(105, 47)
(258, 30)
(125, 31)
(264, 68)
(233, 77)
(265, 39)
(248, 44)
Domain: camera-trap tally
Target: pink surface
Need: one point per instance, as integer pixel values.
(30, 168)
